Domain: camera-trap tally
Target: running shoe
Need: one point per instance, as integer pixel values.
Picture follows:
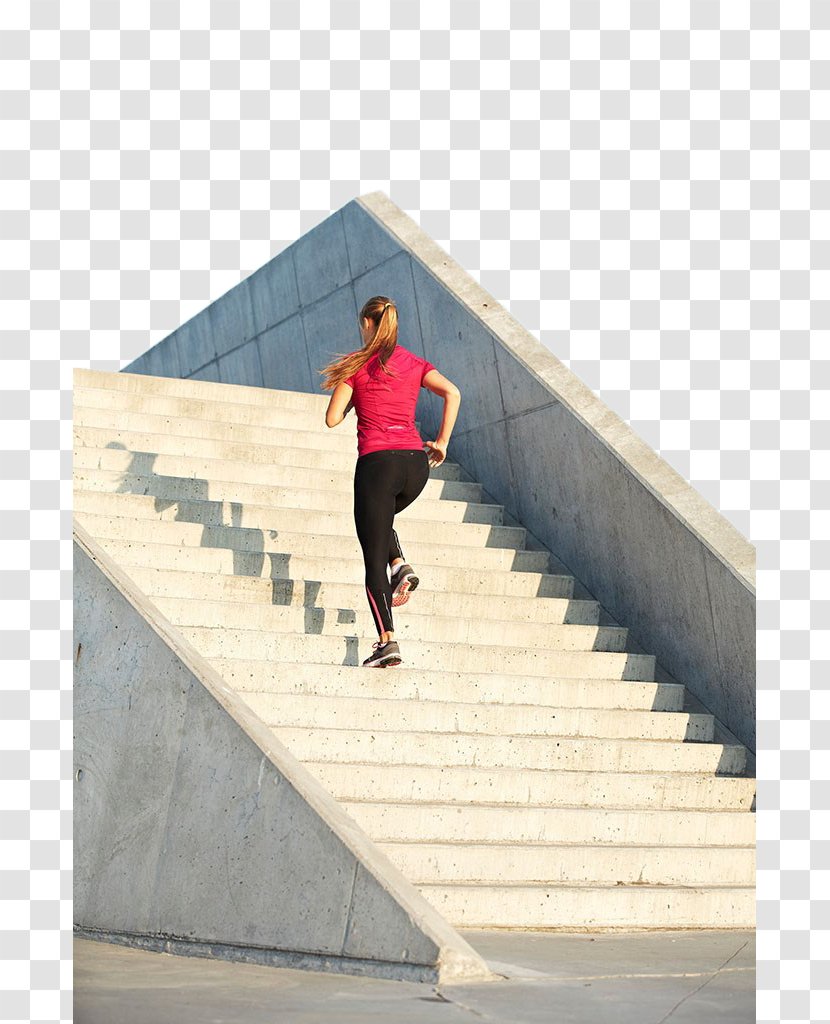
(403, 580)
(384, 655)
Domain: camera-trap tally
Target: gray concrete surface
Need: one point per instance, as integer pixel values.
(192, 821)
(651, 978)
(650, 548)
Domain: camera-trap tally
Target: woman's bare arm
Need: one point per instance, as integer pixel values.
(440, 385)
(339, 404)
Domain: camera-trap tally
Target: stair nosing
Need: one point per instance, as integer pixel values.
(348, 472)
(80, 389)
(356, 560)
(483, 733)
(656, 773)
(190, 601)
(286, 508)
(253, 444)
(593, 884)
(545, 843)
(506, 705)
(454, 672)
(501, 648)
(341, 439)
(81, 470)
(539, 806)
(126, 374)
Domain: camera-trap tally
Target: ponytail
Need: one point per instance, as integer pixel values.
(383, 313)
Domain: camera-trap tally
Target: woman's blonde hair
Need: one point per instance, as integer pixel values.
(382, 312)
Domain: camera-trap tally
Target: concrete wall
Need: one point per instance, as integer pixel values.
(196, 831)
(661, 559)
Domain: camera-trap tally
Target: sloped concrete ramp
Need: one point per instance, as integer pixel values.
(197, 832)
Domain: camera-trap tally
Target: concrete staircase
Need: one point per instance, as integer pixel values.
(526, 767)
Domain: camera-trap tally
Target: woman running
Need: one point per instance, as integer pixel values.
(382, 382)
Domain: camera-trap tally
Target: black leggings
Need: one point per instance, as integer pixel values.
(384, 483)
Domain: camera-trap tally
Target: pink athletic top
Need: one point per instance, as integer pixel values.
(385, 404)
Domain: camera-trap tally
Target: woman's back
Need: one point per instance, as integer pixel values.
(393, 466)
(385, 401)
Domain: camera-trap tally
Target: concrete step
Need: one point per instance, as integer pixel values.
(285, 566)
(477, 688)
(146, 384)
(295, 520)
(236, 451)
(402, 821)
(592, 907)
(175, 488)
(301, 593)
(338, 551)
(455, 657)
(350, 622)
(151, 464)
(188, 426)
(381, 748)
(564, 863)
(465, 784)
(228, 411)
(505, 718)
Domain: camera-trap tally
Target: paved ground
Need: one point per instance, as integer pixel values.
(676, 977)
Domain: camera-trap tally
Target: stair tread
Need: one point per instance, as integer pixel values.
(346, 473)
(120, 477)
(207, 429)
(152, 384)
(219, 504)
(543, 844)
(574, 629)
(459, 804)
(497, 576)
(506, 704)
(501, 734)
(578, 884)
(496, 712)
(236, 589)
(432, 646)
(401, 670)
(473, 571)
(653, 773)
(185, 426)
(80, 391)
(346, 458)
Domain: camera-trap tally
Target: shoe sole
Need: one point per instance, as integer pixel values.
(401, 593)
(390, 662)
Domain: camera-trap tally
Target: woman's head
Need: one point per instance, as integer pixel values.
(378, 322)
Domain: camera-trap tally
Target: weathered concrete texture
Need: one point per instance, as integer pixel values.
(661, 559)
(193, 823)
(283, 355)
(242, 362)
(683, 977)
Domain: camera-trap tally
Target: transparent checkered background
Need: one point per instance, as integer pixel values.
(644, 185)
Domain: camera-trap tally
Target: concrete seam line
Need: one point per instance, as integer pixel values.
(436, 262)
(733, 567)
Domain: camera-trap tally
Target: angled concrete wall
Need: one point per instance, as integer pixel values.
(197, 832)
(658, 556)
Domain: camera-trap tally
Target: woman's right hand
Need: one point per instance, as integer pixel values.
(438, 452)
